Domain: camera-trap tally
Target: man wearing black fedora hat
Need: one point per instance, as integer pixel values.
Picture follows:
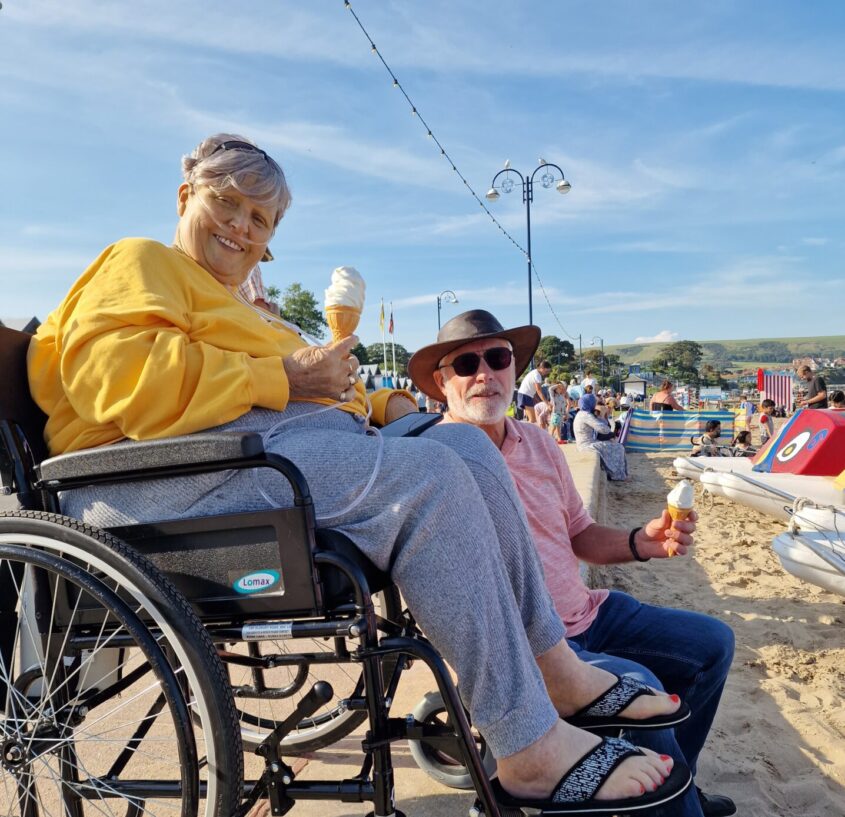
(473, 367)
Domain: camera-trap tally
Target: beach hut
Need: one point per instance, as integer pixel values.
(635, 384)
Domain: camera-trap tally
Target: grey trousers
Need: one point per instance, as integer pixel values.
(443, 511)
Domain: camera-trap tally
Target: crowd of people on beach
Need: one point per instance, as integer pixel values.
(583, 413)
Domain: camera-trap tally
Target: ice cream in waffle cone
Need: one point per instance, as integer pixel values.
(342, 320)
(344, 302)
(680, 503)
(678, 513)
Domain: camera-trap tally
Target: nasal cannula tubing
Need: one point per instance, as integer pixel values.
(373, 432)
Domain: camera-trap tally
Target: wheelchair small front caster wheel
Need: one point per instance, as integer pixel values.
(449, 771)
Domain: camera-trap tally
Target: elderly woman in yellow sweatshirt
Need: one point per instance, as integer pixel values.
(152, 342)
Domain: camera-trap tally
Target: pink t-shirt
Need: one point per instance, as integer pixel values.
(555, 514)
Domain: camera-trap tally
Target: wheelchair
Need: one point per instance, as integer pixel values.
(139, 664)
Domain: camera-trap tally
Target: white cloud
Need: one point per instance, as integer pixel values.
(666, 336)
(815, 242)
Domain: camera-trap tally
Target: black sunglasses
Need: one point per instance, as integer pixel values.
(467, 364)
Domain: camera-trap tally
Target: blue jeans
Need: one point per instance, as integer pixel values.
(679, 651)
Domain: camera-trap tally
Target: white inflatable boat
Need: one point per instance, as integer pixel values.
(694, 467)
(817, 557)
(775, 494)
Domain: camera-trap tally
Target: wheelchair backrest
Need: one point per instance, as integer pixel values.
(21, 421)
(16, 404)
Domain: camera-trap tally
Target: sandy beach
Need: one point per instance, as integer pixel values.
(777, 745)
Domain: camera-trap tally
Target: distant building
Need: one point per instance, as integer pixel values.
(798, 362)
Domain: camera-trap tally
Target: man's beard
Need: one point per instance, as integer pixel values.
(479, 412)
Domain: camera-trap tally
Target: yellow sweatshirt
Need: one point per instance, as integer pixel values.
(148, 344)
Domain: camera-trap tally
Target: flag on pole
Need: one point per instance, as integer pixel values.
(383, 342)
(392, 339)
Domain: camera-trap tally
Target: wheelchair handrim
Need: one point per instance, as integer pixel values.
(95, 590)
(52, 545)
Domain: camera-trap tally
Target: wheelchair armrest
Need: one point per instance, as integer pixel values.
(411, 425)
(219, 447)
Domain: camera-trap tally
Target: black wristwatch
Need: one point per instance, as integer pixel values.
(633, 546)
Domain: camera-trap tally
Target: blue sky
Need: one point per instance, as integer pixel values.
(705, 144)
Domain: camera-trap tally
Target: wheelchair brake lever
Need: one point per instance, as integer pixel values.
(319, 695)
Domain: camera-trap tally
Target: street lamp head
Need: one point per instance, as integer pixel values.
(449, 297)
(492, 194)
(541, 161)
(507, 164)
(563, 186)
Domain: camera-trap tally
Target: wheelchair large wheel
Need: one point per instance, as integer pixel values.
(93, 716)
(265, 697)
(178, 632)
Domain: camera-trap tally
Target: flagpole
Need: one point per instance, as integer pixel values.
(393, 344)
(383, 342)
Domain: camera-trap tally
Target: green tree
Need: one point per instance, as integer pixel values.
(680, 360)
(299, 306)
(360, 351)
(375, 354)
(772, 350)
(273, 294)
(710, 375)
(555, 350)
(716, 354)
(560, 374)
(593, 362)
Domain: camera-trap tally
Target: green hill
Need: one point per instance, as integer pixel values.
(748, 351)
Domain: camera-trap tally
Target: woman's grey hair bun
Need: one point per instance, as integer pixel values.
(251, 173)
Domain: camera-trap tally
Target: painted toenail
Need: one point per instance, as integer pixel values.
(665, 757)
(675, 698)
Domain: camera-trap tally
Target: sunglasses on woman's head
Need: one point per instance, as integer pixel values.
(467, 364)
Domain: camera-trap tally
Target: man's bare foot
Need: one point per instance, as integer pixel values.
(535, 772)
(573, 684)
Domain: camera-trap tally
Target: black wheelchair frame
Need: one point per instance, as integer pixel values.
(328, 587)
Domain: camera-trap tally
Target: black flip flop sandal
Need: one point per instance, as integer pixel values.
(603, 712)
(574, 793)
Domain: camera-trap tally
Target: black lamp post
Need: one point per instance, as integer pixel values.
(447, 297)
(547, 180)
